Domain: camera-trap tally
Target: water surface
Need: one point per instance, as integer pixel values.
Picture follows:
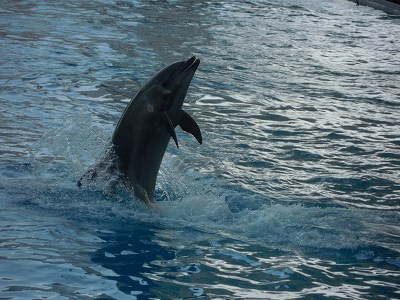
(293, 194)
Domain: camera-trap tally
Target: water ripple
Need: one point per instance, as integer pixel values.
(298, 105)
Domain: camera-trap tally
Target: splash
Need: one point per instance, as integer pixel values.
(189, 199)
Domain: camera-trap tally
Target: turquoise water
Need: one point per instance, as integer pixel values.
(294, 193)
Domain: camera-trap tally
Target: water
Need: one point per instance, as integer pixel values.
(293, 194)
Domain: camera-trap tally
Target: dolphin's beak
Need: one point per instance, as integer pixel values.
(187, 73)
(189, 68)
(182, 82)
(191, 64)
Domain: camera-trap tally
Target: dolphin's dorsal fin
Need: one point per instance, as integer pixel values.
(170, 129)
(189, 125)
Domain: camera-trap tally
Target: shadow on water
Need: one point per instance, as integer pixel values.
(143, 264)
(130, 254)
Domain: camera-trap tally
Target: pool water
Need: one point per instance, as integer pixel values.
(294, 193)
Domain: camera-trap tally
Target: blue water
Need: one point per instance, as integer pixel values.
(294, 193)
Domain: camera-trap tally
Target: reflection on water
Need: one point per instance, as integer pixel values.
(293, 193)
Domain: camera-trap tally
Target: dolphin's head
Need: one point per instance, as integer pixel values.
(166, 90)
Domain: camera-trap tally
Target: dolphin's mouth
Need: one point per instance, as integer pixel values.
(190, 65)
(175, 87)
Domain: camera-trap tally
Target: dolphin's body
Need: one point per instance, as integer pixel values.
(147, 124)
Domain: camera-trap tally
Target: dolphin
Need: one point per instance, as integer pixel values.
(143, 132)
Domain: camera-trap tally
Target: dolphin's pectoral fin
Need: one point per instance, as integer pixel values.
(170, 129)
(189, 125)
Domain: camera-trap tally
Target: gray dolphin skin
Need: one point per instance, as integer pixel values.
(147, 124)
